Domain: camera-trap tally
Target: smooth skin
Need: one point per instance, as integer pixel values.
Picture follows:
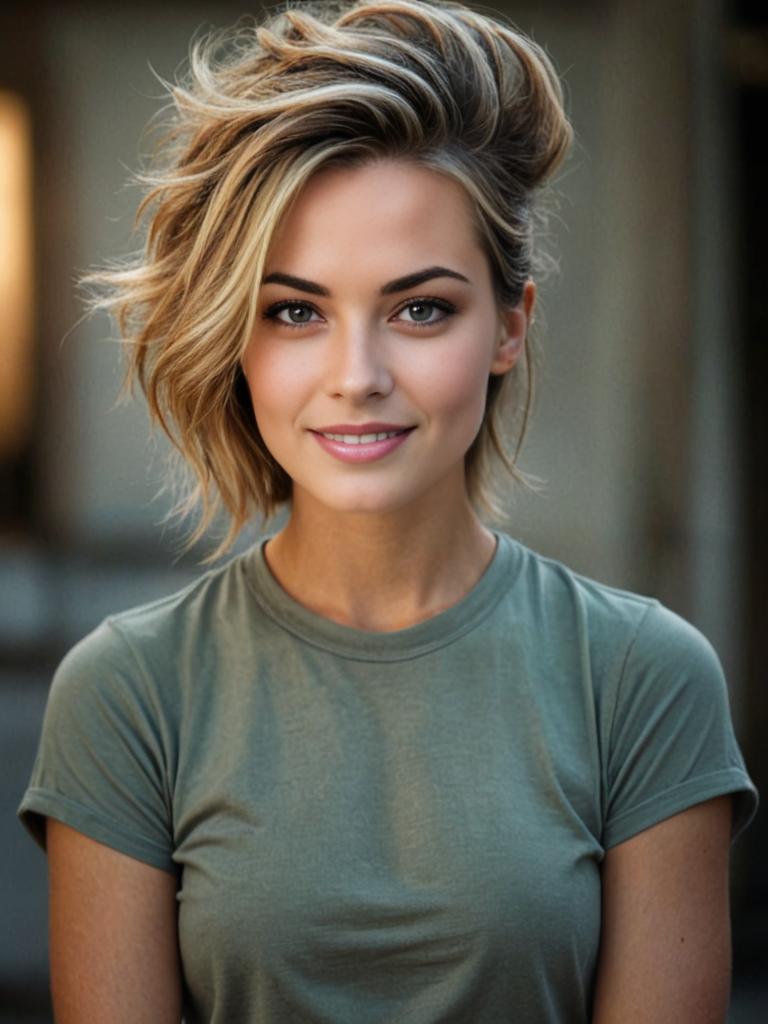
(382, 546)
(665, 953)
(113, 934)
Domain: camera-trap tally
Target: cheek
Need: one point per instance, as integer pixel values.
(275, 382)
(456, 383)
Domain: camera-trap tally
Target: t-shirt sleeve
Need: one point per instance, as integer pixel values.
(101, 764)
(671, 741)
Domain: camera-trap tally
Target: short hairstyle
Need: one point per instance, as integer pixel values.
(262, 106)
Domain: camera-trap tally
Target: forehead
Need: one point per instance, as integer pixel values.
(392, 208)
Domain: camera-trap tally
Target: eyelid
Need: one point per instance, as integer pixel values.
(447, 308)
(270, 313)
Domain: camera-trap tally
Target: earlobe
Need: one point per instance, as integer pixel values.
(508, 352)
(511, 341)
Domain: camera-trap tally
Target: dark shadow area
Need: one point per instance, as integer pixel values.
(751, 105)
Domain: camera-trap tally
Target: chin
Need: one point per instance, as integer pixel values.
(360, 501)
(369, 506)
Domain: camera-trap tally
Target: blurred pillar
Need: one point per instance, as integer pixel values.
(16, 291)
(716, 486)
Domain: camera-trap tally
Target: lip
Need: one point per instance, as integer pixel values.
(361, 428)
(362, 452)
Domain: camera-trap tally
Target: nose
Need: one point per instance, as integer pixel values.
(357, 367)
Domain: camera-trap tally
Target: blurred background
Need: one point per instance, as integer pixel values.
(650, 425)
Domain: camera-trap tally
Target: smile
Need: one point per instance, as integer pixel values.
(362, 447)
(362, 438)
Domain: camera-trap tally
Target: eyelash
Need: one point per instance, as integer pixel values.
(447, 308)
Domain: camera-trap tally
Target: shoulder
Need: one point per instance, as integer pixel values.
(641, 624)
(638, 659)
(150, 645)
(572, 606)
(655, 686)
(633, 637)
(210, 602)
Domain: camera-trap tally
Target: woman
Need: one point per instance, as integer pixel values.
(388, 764)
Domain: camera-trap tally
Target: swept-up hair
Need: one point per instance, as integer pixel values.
(262, 106)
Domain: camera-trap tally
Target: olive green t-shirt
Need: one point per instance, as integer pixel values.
(386, 827)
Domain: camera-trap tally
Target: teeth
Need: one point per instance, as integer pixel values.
(362, 438)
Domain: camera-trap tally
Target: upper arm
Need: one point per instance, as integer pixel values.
(113, 934)
(665, 947)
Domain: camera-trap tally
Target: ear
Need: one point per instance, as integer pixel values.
(512, 330)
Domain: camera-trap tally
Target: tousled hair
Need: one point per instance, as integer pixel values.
(262, 107)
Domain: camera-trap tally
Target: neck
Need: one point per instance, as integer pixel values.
(379, 572)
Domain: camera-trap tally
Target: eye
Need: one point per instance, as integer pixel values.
(293, 307)
(421, 311)
(299, 313)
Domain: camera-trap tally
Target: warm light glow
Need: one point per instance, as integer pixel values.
(15, 273)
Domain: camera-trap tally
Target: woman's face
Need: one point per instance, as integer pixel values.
(345, 344)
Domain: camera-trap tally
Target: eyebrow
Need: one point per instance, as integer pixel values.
(399, 284)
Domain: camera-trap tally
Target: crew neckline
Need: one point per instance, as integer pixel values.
(395, 645)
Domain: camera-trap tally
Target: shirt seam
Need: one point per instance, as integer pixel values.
(703, 787)
(342, 652)
(63, 801)
(653, 602)
(385, 658)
